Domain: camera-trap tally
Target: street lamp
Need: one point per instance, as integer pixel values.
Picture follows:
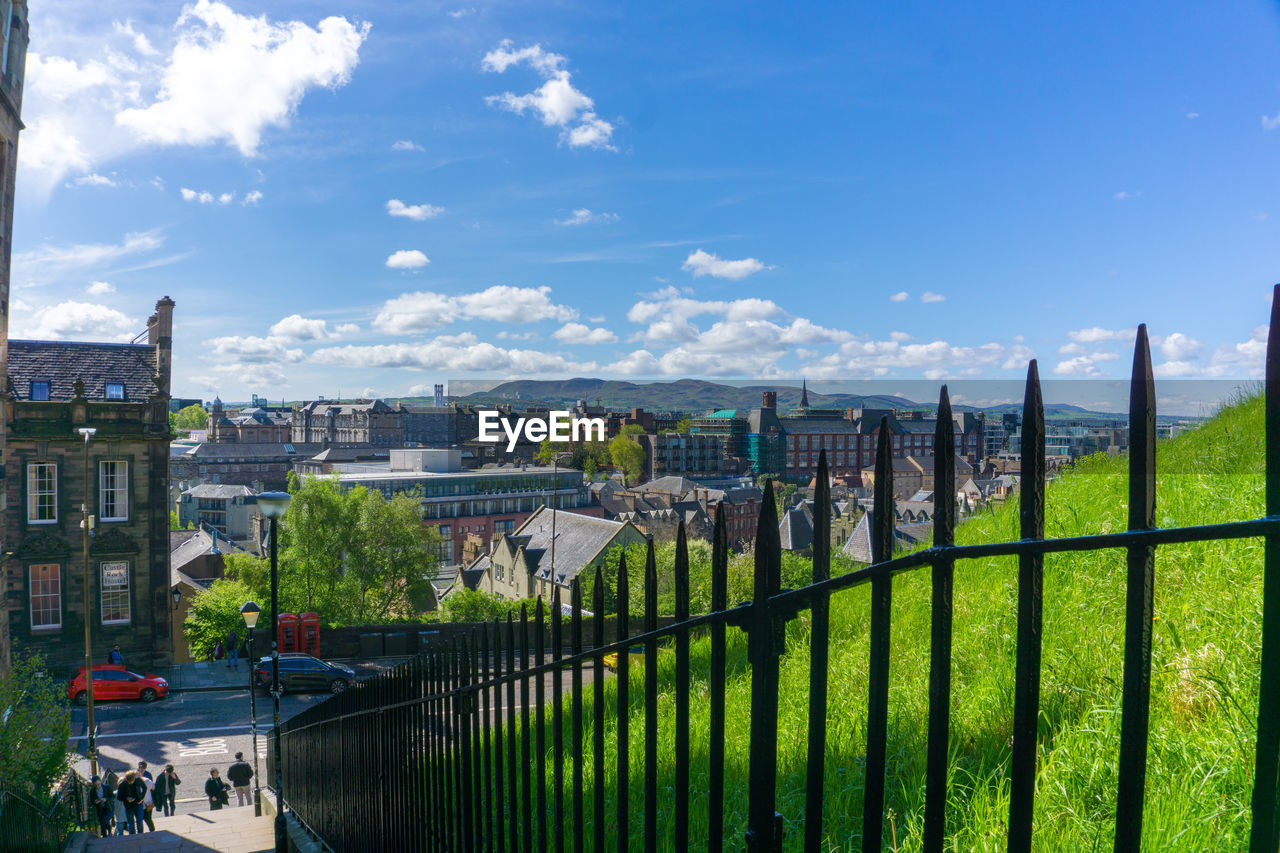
(87, 524)
(250, 610)
(273, 506)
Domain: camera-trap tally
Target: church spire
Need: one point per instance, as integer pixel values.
(804, 394)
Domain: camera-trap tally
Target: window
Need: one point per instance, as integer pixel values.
(46, 596)
(115, 593)
(40, 390)
(115, 391)
(113, 490)
(42, 493)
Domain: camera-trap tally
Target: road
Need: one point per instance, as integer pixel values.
(197, 731)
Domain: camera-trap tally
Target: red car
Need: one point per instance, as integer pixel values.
(112, 682)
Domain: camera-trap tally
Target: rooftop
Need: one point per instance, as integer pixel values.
(61, 363)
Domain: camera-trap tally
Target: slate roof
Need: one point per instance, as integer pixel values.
(223, 491)
(858, 546)
(211, 451)
(796, 529)
(673, 485)
(579, 538)
(61, 363)
(199, 545)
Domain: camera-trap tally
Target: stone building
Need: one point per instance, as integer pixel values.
(329, 422)
(228, 509)
(121, 391)
(252, 425)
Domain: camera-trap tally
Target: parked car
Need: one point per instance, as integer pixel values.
(112, 682)
(636, 656)
(305, 674)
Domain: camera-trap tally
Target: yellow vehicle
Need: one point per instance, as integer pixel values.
(636, 652)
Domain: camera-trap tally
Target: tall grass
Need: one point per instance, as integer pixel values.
(1203, 698)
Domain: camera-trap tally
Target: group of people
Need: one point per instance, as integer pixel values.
(229, 649)
(126, 803)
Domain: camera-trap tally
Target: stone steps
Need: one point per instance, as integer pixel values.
(231, 830)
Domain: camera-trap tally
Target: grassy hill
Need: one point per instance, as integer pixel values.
(1204, 677)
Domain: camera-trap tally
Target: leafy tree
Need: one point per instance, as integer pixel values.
(192, 417)
(215, 612)
(34, 726)
(173, 424)
(472, 605)
(315, 535)
(630, 430)
(546, 452)
(589, 467)
(628, 456)
(392, 558)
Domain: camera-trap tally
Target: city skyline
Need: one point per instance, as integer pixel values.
(376, 203)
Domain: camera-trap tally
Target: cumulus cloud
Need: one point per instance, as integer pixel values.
(251, 198)
(1085, 365)
(702, 263)
(1179, 347)
(100, 288)
(937, 359)
(251, 349)
(295, 327)
(417, 212)
(900, 296)
(930, 296)
(221, 77)
(407, 259)
(1097, 335)
(579, 333)
(406, 145)
(556, 102)
(1271, 122)
(583, 216)
(462, 353)
(93, 179)
(206, 197)
(81, 321)
(410, 313)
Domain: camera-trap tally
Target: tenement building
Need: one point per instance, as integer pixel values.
(118, 476)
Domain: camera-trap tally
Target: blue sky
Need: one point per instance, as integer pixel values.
(371, 201)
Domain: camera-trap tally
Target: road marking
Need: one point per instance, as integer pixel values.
(164, 732)
(204, 746)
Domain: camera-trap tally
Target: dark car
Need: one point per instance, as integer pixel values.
(305, 674)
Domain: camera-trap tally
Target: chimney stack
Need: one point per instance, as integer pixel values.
(770, 400)
(160, 335)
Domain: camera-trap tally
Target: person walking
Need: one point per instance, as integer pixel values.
(100, 797)
(233, 650)
(131, 793)
(148, 800)
(115, 657)
(166, 790)
(216, 790)
(240, 773)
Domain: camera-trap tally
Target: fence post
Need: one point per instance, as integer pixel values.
(1026, 697)
(764, 827)
(819, 642)
(1266, 828)
(716, 689)
(883, 534)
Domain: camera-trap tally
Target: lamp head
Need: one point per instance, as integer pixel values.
(87, 432)
(250, 610)
(177, 596)
(273, 504)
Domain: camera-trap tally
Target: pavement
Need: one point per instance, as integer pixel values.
(223, 831)
(218, 675)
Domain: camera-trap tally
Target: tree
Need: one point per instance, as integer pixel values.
(34, 726)
(214, 613)
(628, 456)
(546, 452)
(472, 605)
(392, 559)
(630, 430)
(192, 417)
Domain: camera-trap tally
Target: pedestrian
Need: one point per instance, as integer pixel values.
(166, 789)
(100, 797)
(218, 651)
(118, 815)
(240, 773)
(233, 650)
(148, 800)
(216, 790)
(131, 793)
(115, 657)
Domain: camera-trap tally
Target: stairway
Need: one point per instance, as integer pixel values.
(229, 830)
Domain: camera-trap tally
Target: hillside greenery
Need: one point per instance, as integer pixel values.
(1204, 678)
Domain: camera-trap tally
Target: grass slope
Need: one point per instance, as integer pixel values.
(1204, 679)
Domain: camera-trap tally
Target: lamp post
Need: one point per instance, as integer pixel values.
(87, 524)
(250, 610)
(273, 506)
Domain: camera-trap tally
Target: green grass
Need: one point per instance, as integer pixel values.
(1204, 679)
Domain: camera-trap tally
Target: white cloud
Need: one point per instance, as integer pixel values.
(251, 349)
(48, 262)
(219, 77)
(900, 296)
(1097, 335)
(1193, 115)
(295, 327)
(930, 296)
(410, 313)
(406, 145)
(1084, 365)
(417, 212)
(578, 333)
(1125, 195)
(900, 337)
(251, 198)
(459, 13)
(100, 288)
(583, 216)
(462, 353)
(702, 263)
(78, 321)
(93, 179)
(1271, 122)
(1179, 347)
(556, 102)
(934, 360)
(407, 259)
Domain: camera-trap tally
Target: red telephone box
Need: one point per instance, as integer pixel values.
(287, 632)
(310, 627)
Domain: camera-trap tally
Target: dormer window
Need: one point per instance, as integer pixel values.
(40, 390)
(115, 391)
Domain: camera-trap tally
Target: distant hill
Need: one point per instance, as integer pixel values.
(694, 396)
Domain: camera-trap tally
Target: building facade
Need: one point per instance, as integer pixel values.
(122, 472)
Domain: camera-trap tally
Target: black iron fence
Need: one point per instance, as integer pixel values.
(30, 827)
(450, 751)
